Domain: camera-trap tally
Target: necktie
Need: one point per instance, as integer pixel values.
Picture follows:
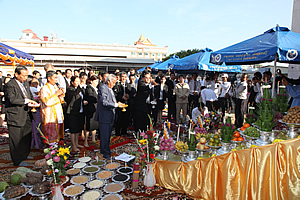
(195, 86)
(24, 91)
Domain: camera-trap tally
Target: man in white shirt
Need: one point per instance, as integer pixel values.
(224, 88)
(195, 113)
(208, 97)
(194, 92)
(60, 79)
(241, 101)
(202, 81)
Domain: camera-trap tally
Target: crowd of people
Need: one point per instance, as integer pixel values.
(83, 103)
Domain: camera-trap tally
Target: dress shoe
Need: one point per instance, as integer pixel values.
(29, 157)
(23, 164)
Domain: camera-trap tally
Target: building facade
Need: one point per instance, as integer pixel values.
(103, 57)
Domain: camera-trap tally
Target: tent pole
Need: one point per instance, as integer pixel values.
(274, 77)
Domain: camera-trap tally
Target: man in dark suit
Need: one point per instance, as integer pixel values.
(171, 97)
(68, 77)
(131, 106)
(159, 75)
(123, 94)
(18, 115)
(105, 113)
(101, 82)
(142, 101)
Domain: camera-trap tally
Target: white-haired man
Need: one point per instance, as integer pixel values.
(105, 113)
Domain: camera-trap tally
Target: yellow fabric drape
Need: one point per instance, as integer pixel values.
(267, 172)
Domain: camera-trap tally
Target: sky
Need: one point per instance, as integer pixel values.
(180, 25)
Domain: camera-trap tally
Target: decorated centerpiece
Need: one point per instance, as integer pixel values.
(212, 121)
(250, 117)
(227, 131)
(265, 116)
(57, 155)
(192, 145)
(281, 100)
(148, 145)
(166, 143)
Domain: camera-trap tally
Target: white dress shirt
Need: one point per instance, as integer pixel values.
(210, 85)
(224, 88)
(208, 95)
(195, 113)
(192, 85)
(202, 82)
(241, 90)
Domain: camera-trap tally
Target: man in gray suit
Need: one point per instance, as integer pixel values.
(105, 113)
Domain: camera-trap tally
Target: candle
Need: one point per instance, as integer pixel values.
(278, 88)
(110, 159)
(148, 151)
(248, 107)
(125, 164)
(97, 158)
(178, 132)
(189, 135)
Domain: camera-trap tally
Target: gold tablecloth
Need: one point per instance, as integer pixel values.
(267, 172)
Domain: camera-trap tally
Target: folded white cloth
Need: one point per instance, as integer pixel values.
(125, 157)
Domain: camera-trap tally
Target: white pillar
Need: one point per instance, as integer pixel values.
(294, 69)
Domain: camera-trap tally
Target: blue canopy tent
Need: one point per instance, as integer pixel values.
(164, 65)
(11, 56)
(200, 61)
(152, 65)
(278, 44)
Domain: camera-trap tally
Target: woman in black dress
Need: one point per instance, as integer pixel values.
(160, 94)
(91, 94)
(75, 103)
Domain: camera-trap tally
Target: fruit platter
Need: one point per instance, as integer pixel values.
(214, 143)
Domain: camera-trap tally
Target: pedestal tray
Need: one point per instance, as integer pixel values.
(80, 189)
(213, 148)
(108, 196)
(250, 140)
(91, 195)
(293, 128)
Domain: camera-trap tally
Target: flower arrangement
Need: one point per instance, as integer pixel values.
(166, 144)
(57, 155)
(212, 120)
(148, 145)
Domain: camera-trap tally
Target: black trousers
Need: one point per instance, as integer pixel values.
(193, 102)
(209, 105)
(222, 101)
(105, 133)
(240, 111)
(122, 121)
(141, 121)
(20, 141)
(171, 108)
